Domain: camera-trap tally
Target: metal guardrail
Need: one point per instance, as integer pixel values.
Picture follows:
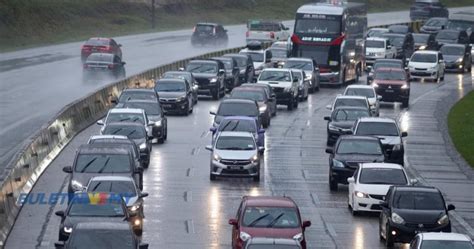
(24, 170)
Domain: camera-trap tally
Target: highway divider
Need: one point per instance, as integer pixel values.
(24, 170)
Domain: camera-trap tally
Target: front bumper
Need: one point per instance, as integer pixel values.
(454, 66)
(369, 204)
(393, 95)
(330, 78)
(227, 168)
(174, 107)
(423, 74)
(405, 233)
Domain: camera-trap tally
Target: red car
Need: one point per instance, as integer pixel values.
(274, 217)
(393, 85)
(100, 45)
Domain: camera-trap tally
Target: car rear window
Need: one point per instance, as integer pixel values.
(279, 53)
(238, 109)
(447, 34)
(204, 28)
(364, 92)
(377, 129)
(263, 26)
(384, 176)
(390, 75)
(102, 163)
(138, 95)
(272, 246)
(388, 65)
(235, 143)
(125, 117)
(98, 42)
(248, 94)
(100, 57)
(419, 200)
(271, 217)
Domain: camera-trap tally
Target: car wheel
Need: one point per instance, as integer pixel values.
(388, 237)
(212, 177)
(354, 212)
(405, 103)
(215, 94)
(442, 77)
(332, 184)
(290, 105)
(296, 103)
(165, 134)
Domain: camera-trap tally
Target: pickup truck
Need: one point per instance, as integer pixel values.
(266, 31)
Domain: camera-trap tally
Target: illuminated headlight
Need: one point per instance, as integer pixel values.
(76, 185)
(244, 236)
(460, 60)
(422, 47)
(137, 222)
(337, 163)
(262, 109)
(333, 63)
(243, 71)
(134, 207)
(182, 98)
(375, 85)
(361, 194)
(254, 159)
(371, 73)
(216, 157)
(405, 86)
(158, 123)
(142, 146)
(213, 80)
(397, 218)
(309, 77)
(298, 237)
(67, 229)
(443, 220)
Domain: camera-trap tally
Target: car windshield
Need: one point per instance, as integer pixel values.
(443, 244)
(256, 56)
(350, 102)
(271, 217)
(451, 50)
(398, 29)
(460, 25)
(435, 22)
(397, 41)
(238, 109)
(235, 143)
(170, 87)
(176, 75)
(119, 187)
(100, 239)
(241, 61)
(202, 67)
(272, 75)
(390, 75)
(248, 94)
(421, 38)
(132, 132)
(138, 95)
(98, 42)
(384, 176)
(100, 57)
(279, 53)
(374, 44)
(364, 92)
(150, 108)
(319, 26)
(102, 163)
(272, 246)
(227, 64)
(303, 65)
(425, 58)
(238, 125)
(447, 35)
(82, 206)
(377, 129)
(125, 117)
(349, 114)
(263, 26)
(420, 200)
(355, 146)
(376, 33)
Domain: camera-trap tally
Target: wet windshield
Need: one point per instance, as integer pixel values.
(132, 132)
(451, 50)
(100, 239)
(274, 217)
(426, 58)
(86, 206)
(238, 125)
(447, 35)
(125, 117)
(271, 75)
(256, 57)
(246, 94)
(235, 143)
(421, 38)
(418, 200)
(238, 109)
(202, 68)
(364, 92)
(377, 129)
(349, 114)
(390, 75)
(170, 87)
(177, 75)
(443, 244)
(138, 95)
(384, 176)
(118, 187)
(397, 41)
(353, 146)
(102, 163)
(303, 65)
(279, 53)
(351, 102)
(376, 33)
(150, 108)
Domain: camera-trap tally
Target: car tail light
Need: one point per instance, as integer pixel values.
(111, 66)
(247, 34)
(324, 70)
(272, 35)
(86, 47)
(295, 39)
(338, 41)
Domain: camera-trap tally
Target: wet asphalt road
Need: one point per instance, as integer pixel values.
(186, 210)
(36, 83)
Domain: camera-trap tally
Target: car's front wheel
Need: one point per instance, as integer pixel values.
(388, 237)
(332, 183)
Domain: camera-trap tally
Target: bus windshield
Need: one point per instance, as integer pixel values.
(313, 26)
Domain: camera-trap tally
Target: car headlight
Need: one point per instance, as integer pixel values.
(443, 220)
(216, 157)
(434, 68)
(244, 236)
(287, 89)
(158, 123)
(397, 218)
(262, 108)
(213, 80)
(405, 86)
(375, 85)
(333, 128)
(422, 47)
(67, 229)
(361, 194)
(243, 71)
(142, 146)
(76, 185)
(460, 60)
(337, 163)
(182, 98)
(137, 222)
(397, 147)
(298, 237)
(135, 207)
(254, 159)
(309, 77)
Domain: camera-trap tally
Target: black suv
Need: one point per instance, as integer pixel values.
(457, 57)
(405, 44)
(232, 71)
(209, 34)
(408, 210)
(452, 36)
(245, 64)
(348, 153)
(175, 95)
(342, 121)
(210, 76)
(424, 9)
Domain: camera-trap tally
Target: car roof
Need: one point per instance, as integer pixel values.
(235, 134)
(203, 61)
(450, 31)
(147, 101)
(389, 60)
(236, 55)
(394, 35)
(238, 101)
(377, 119)
(387, 69)
(102, 148)
(377, 39)
(269, 201)
(417, 188)
(350, 97)
(125, 124)
(454, 45)
(126, 110)
(421, 34)
(299, 59)
(113, 178)
(118, 137)
(278, 69)
(103, 225)
(255, 84)
(239, 117)
(345, 107)
(207, 23)
(380, 165)
(360, 87)
(358, 137)
(426, 52)
(171, 80)
(178, 72)
(445, 236)
(382, 29)
(249, 88)
(138, 90)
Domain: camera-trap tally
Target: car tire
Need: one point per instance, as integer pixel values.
(296, 103)
(215, 94)
(212, 177)
(165, 135)
(256, 178)
(442, 78)
(333, 186)
(405, 103)
(354, 212)
(388, 237)
(290, 105)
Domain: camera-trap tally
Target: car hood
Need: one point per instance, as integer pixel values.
(392, 140)
(443, 41)
(257, 65)
(84, 178)
(171, 94)
(271, 232)
(204, 75)
(421, 64)
(70, 221)
(276, 83)
(359, 158)
(372, 189)
(420, 216)
(452, 58)
(235, 154)
(139, 141)
(343, 124)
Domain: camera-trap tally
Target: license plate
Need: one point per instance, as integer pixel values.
(233, 167)
(167, 106)
(389, 91)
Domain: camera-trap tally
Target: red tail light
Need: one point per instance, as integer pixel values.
(105, 48)
(295, 39)
(111, 66)
(272, 35)
(247, 34)
(86, 47)
(324, 70)
(338, 41)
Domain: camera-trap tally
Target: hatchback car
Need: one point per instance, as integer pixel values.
(434, 25)
(441, 240)
(427, 65)
(236, 107)
(348, 153)
(265, 104)
(155, 115)
(387, 130)
(342, 121)
(369, 93)
(392, 85)
(348, 100)
(424, 9)
(311, 69)
(209, 34)
(270, 217)
(370, 183)
(189, 77)
(175, 96)
(245, 64)
(408, 210)
(235, 154)
(100, 45)
(210, 76)
(242, 124)
(457, 57)
(103, 66)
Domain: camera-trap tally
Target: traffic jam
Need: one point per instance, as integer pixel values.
(330, 46)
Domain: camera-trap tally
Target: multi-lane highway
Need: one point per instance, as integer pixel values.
(36, 83)
(186, 210)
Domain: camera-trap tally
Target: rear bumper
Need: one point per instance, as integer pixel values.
(393, 95)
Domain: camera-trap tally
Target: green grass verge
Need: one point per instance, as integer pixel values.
(461, 127)
(28, 23)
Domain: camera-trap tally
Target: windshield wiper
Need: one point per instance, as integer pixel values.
(124, 119)
(116, 131)
(88, 164)
(257, 220)
(131, 133)
(235, 127)
(105, 165)
(96, 186)
(275, 220)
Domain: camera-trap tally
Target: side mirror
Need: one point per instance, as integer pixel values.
(327, 118)
(59, 213)
(181, 69)
(379, 97)
(143, 246)
(261, 149)
(329, 150)
(67, 169)
(59, 244)
(209, 147)
(138, 170)
(123, 63)
(114, 101)
(441, 61)
(413, 181)
(120, 45)
(212, 113)
(306, 223)
(328, 107)
(100, 122)
(143, 194)
(151, 123)
(451, 207)
(350, 180)
(213, 129)
(221, 71)
(404, 134)
(389, 47)
(261, 131)
(233, 222)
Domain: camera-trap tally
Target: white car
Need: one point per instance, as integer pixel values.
(284, 84)
(441, 240)
(427, 65)
(262, 58)
(378, 48)
(356, 101)
(117, 115)
(303, 84)
(376, 32)
(369, 93)
(266, 31)
(370, 183)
